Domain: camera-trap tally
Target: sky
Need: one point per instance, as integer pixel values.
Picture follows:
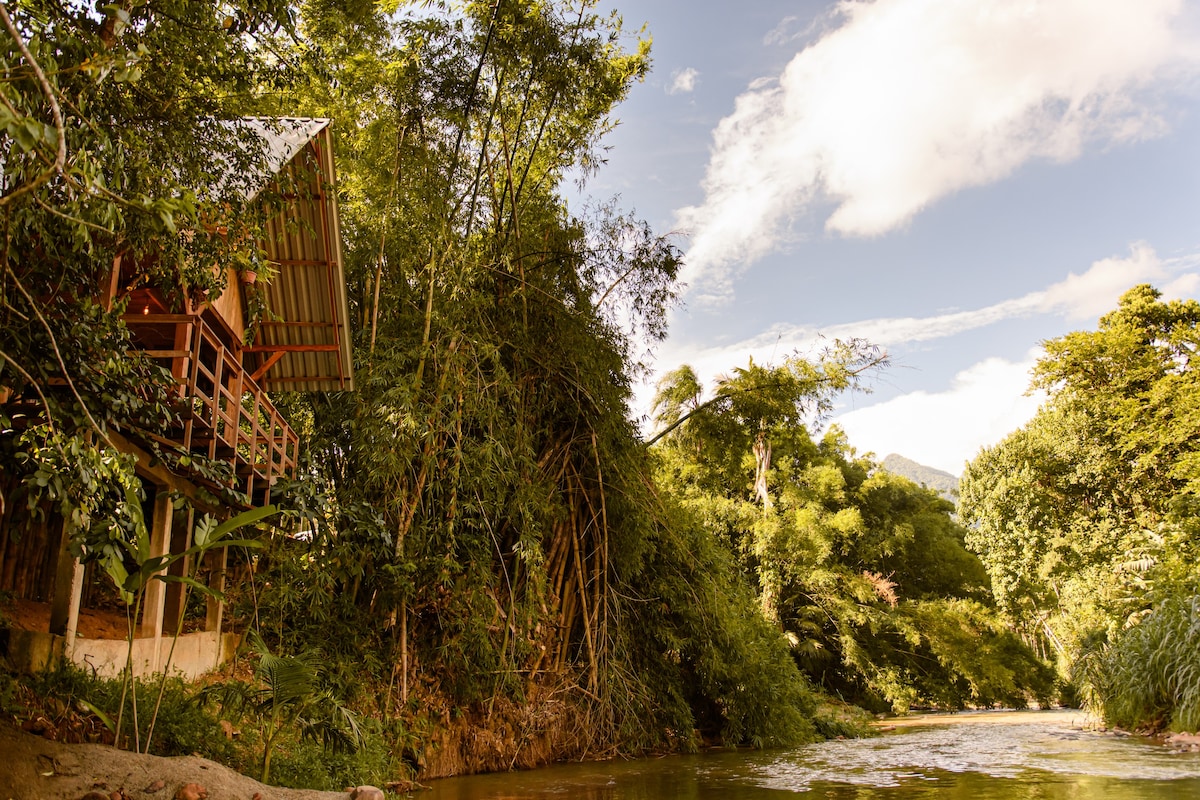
(954, 181)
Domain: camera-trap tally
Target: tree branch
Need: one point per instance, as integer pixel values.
(60, 156)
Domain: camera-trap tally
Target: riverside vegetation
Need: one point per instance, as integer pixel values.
(481, 564)
(1086, 517)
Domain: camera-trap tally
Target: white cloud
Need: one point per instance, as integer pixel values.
(683, 81)
(910, 100)
(1076, 297)
(946, 429)
(1096, 291)
(985, 402)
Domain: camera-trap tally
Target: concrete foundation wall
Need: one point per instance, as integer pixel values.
(195, 653)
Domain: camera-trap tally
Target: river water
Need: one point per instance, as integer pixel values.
(1025, 755)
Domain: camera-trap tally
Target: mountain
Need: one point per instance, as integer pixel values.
(941, 482)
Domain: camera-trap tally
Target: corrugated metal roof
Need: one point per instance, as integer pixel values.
(303, 342)
(285, 137)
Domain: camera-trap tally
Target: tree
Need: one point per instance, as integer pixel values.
(487, 515)
(1086, 517)
(865, 572)
(118, 141)
(1064, 509)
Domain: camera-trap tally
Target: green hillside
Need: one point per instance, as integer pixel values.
(942, 482)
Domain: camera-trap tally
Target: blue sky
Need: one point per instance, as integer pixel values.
(955, 181)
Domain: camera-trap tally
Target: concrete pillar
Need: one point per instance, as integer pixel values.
(181, 540)
(156, 594)
(68, 591)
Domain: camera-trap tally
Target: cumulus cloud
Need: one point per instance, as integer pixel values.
(946, 429)
(683, 81)
(1096, 291)
(905, 101)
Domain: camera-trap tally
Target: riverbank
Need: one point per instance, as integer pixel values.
(1066, 717)
(1070, 717)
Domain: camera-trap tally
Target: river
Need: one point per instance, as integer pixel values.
(1021, 755)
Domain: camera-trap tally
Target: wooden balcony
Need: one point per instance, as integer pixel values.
(225, 413)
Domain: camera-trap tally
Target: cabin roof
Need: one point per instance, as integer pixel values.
(303, 340)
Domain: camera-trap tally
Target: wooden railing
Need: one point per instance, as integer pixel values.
(225, 414)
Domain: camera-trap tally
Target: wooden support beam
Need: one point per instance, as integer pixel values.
(156, 472)
(163, 353)
(109, 293)
(270, 362)
(136, 319)
(292, 348)
(179, 365)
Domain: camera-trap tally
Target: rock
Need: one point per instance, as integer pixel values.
(157, 786)
(405, 787)
(366, 793)
(38, 726)
(191, 791)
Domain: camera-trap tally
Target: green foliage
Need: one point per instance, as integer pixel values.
(183, 726)
(866, 573)
(289, 695)
(187, 726)
(1148, 675)
(1085, 518)
(481, 511)
(734, 682)
(1061, 509)
(304, 764)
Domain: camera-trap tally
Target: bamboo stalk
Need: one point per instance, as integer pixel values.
(383, 240)
(566, 621)
(404, 651)
(602, 560)
(559, 586)
(587, 625)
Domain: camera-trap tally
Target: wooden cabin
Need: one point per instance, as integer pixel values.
(288, 333)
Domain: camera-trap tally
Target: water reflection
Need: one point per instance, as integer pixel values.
(1016, 756)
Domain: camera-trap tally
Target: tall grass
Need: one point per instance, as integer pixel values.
(1148, 675)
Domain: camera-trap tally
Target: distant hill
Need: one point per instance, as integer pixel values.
(941, 482)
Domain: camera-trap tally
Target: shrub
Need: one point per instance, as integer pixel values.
(1148, 674)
